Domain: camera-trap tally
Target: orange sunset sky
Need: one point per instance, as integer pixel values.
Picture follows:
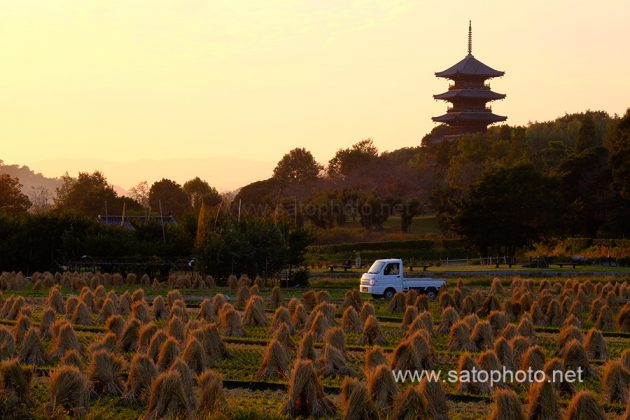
(222, 89)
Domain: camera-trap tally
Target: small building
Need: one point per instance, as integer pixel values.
(130, 222)
(468, 95)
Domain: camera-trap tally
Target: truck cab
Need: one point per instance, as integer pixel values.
(386, 277)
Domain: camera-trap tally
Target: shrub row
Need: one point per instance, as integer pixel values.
(386, 246)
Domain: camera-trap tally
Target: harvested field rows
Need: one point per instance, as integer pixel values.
(268, 353)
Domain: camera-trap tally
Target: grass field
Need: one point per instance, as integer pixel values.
(421, 227)
(247, 394)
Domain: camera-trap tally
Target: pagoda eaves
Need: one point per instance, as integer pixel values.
(470, 93)
(471, 67)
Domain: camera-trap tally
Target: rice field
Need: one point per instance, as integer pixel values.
(104, 346)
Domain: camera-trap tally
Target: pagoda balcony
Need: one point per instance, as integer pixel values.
(468, 109)
(460, 85)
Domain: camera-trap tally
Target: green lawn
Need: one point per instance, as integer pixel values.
(421, 225)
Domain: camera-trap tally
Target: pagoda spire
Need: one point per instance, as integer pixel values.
(470, 37)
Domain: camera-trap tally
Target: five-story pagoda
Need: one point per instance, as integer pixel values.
(469, 95)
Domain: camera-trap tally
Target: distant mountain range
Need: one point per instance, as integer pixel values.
(224, 173)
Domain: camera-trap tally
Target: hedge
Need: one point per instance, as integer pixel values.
(386, 246)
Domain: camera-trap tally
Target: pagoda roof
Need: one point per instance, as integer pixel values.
(470, 66)
(470, 94)
(487, 117)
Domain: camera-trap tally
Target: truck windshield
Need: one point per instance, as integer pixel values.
(376, 267)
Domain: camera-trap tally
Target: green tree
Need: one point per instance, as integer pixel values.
(584, 182)
(619, 147)
(443, 153)
(445, 200)
(325, 209)
(253, 245)
(474, 154)
(89, 194)
(200, 191)
(12, 201)
(587, 136)
(42, 242)
(375, 210)
(168, 196)
(508, 208)
(297, 166)
(297, 239)
(258, 198)
(409, 209)
(346, 161)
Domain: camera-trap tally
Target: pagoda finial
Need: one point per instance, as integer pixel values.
(470, 37)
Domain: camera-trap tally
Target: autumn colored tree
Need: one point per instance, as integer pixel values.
(140, 193)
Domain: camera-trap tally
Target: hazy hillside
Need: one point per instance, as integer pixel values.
(223, 173)
(36, 186)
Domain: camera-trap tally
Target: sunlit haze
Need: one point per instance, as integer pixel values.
(97, 84)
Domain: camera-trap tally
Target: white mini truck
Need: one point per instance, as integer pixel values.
(386, 277)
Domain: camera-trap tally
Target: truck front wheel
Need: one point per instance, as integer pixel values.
(389, 293)
(432, 293)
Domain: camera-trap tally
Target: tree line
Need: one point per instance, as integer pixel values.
(205, 230)
(565, 178)
(500, 190)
